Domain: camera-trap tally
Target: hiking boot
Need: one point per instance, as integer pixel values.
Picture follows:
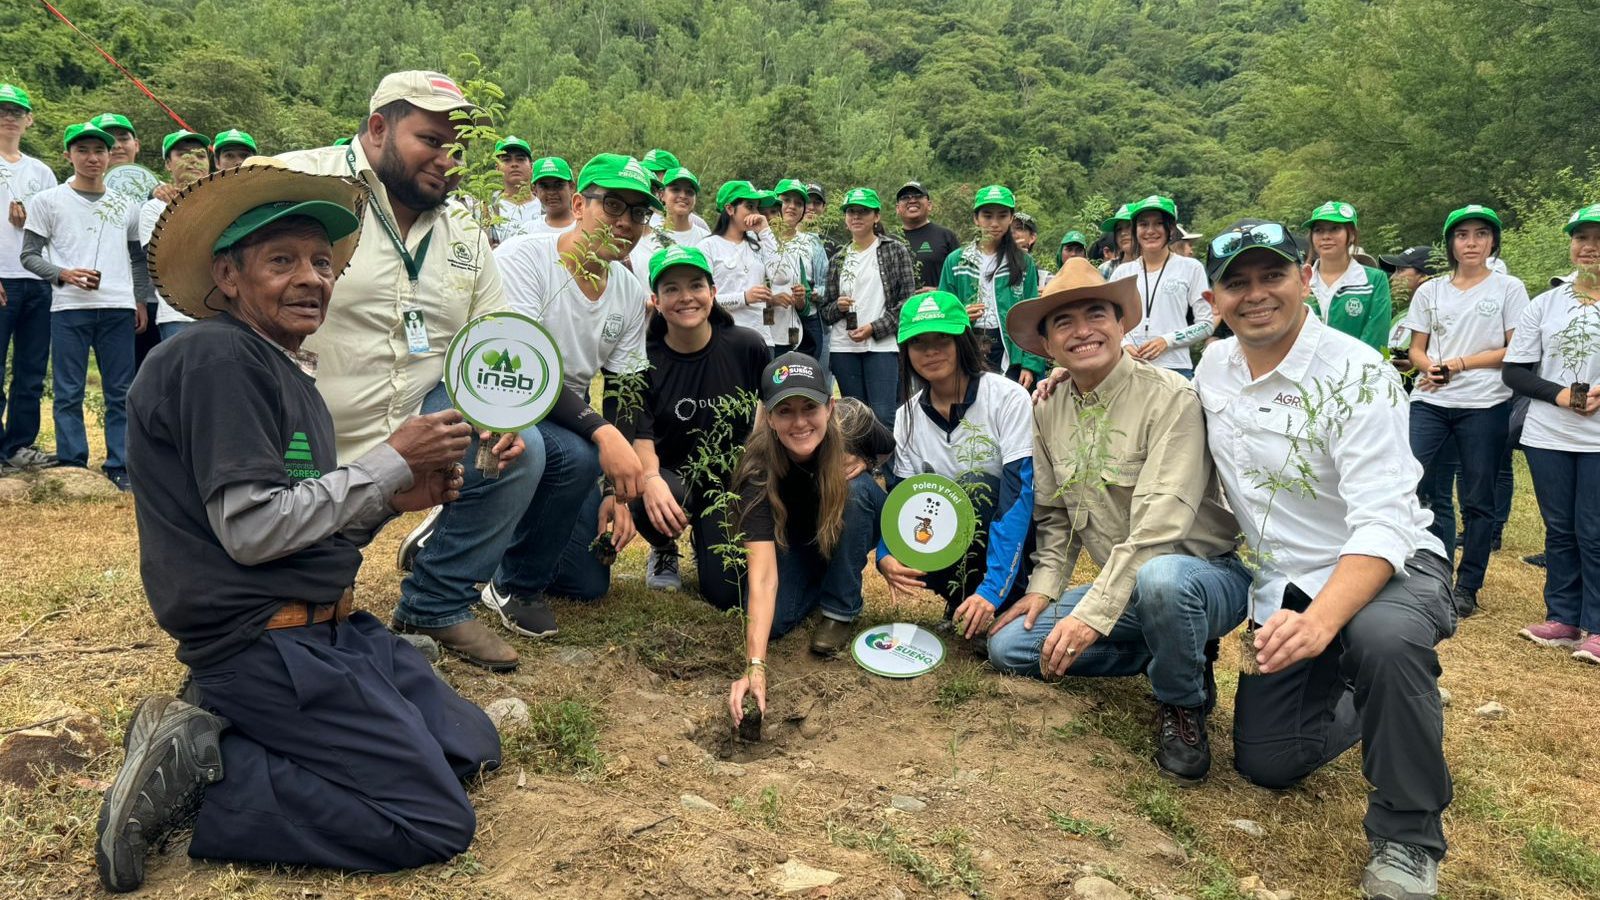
(1552, 634)
(1400, 872)
(31, 458)
(531, 617)
(1536, 559)
(119, 477)
(416, 540)
(830, 637)
(1183, 750)
(173, 754)
(661, 569)
(1466, 600)
(471, 640)
(1589, 650)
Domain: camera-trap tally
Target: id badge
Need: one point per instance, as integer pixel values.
(416, 330)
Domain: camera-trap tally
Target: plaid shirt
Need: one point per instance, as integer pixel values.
(897, 269)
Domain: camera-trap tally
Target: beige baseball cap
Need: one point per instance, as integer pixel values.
(432, 91)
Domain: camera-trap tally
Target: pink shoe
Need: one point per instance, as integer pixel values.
(1552, 634)
(1589, 650)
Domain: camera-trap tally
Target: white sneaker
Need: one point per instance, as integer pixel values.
(30, 458)
(416, 540)
(661, 570)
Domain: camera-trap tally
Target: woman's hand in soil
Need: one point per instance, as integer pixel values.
(617, 519)
(662, 509)
(753, 683)
(1289, 637)
(899, 575)
(1065, 645)
(973, 616)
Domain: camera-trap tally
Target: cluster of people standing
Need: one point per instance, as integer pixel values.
(1232, 441)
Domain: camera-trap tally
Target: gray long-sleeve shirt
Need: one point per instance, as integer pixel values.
(33, 247)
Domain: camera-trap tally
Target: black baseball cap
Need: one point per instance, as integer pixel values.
(1250, 234)
(795, 375)
(910, 187)
(1026, 221)
(815, 190)
(1410, 258)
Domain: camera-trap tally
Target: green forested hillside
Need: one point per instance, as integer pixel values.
(1406, 108)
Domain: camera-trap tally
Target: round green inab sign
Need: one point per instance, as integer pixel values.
(928, 522)
(503, 372)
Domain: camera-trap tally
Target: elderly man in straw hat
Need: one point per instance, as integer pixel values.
(1121, 470)
(310, 734)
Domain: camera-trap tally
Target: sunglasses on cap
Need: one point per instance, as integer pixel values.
(1267, 234)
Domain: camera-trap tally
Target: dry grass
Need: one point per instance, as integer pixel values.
(1032, 784)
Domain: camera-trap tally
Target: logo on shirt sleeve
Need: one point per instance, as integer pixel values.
(297, 461)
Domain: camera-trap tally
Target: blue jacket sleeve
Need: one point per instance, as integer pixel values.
(1009, 530)
(891, 481)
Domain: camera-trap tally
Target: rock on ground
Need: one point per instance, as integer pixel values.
(1492, 710)
(907, 804)
(1249, 827)
(1093, 887)
(69, 745)
(507, 713)
(697, 803)
(15, 490)
(793, 876)
(80, 484)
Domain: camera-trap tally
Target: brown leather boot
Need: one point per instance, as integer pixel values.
(471, 640)
(830, 637)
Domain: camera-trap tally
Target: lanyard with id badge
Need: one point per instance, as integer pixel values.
(412, 319)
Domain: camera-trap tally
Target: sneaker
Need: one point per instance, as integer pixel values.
(119, 477)
(1589, 650)
(1536, 559)
(470, 640)
(661, 570)
(31, 458)
(529, 617)
(1183, 749)
(1466, 600)
(416, 540)
(173, 753)
(1400, 872)
(1552, 634)
(830, 637)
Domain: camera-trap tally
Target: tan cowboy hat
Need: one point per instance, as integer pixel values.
(1077, 280)
(182, 244)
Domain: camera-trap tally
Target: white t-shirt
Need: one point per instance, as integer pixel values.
(1168, 296)
(519, 217)
(1556, 320)
(1001, 412)
(695, 222)
(149, 214)
(1461, 323)
(607, 333)
(737, 267)
(85, 234)
(538, 226)
(647, 246)
(860, 280)
(19, 181)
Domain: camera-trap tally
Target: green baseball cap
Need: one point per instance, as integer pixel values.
(85, 130)
(1590, 213)
(791, 186)
(338, 221)
(1075, 237)
(342, 142)
(995, 195)
(659, 160)
(1160, 204)
(180, 135)
(10, 93)
(734, 191)
(1335, 211)
(767, 200)
(512, 142)
(233, 137)
(1123, 214)
(554, 167)
(867, 198)
(618, 172)
(1471, 211)
(676, 255)
(680, 174)
(112, 120)
(938, 312)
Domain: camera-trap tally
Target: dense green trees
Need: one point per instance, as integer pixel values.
(1406, 108)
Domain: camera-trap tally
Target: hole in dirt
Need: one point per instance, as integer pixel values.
(782, 727)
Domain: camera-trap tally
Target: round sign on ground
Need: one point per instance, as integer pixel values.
(898, 650)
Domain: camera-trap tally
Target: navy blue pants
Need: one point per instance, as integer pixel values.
(1480, 438)
(346, 751)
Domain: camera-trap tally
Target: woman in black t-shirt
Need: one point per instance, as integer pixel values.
(807, 514)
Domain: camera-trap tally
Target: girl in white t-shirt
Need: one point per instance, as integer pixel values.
(786, 276)
(1171, 290)
(868, 281)
(1460, 327)
(678, 226)
(739, 249)
(1554, 359)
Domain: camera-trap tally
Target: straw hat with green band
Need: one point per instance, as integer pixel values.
(734, 191)
(172, 139)
(676, 255)
(938, 312)
(1589, 214)
(791, 186)
(618, 172)
(86, 130)
(10, 93)
(659, 161)
(221, 209)
(1078, 280)
(112, 120)
(1336, 211)
(994, 195)
(1472, 211)
(866, 198)
(680, 174)
(1121, 215)
(553, 167)
(512, 142)
(1160, 204)
(1075, 237)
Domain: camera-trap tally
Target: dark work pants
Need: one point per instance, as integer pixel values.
(717, 585)
(1480, 437)
(145, 341)
(346, 750)
(24, 323)
(1567, 485)
(1378, 682)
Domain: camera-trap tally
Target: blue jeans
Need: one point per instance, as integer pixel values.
(1568, 488)
(470, 535)
(807, 580)
(24, 322)
(1480, 438)
(873, 378)
(170, 330)
(1437, 492)
(814, 341)
(1178, 603)
(73, 332)
(566, 503)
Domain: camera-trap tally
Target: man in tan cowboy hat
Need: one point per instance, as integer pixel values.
(309, 735)
(1121, 470)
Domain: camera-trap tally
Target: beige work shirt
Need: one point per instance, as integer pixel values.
(1123, 473)
(366, 372)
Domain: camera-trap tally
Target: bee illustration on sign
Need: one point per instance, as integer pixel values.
(928, 522)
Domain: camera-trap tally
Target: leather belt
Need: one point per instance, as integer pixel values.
(298, 613)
